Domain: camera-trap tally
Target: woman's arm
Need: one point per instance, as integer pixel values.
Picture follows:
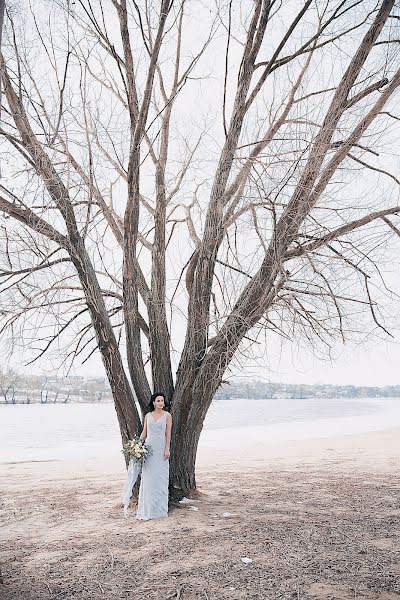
(143, 435)
(168, 436)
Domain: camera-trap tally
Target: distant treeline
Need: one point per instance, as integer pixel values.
(22, 389)
(41, 389)
(261, 389)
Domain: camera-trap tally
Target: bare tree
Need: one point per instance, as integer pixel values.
(8, 381)
(134, 220)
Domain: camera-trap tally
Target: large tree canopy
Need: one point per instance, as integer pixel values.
(182, 181)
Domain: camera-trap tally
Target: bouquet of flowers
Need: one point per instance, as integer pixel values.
(136, 453)
(136, 450)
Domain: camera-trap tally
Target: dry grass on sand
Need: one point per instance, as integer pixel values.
(310, 533)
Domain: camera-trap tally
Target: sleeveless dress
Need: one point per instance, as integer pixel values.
(153, 492)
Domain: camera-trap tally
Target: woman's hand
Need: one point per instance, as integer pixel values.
(166, 454)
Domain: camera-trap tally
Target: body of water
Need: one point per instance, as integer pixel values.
(62, 431)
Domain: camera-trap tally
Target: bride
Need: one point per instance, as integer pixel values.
(153, 492)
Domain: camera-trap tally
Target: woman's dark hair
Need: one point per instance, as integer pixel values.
(150, 406)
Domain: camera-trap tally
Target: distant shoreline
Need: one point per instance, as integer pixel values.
(103, 401)
(16, 388)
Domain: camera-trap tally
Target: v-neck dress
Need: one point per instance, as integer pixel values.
(153, 492)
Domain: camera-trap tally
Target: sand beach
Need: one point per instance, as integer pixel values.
(318, 518)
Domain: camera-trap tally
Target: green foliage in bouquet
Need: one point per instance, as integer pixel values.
(136, 450)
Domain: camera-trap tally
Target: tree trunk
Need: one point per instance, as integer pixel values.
(183, 463)
(182, 469)
(188, 413)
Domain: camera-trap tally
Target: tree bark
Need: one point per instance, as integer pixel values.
(184, 443)
(131, 217)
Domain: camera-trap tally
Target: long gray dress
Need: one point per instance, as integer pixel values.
(153, 493)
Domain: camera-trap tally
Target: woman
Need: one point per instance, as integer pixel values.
(153, 493)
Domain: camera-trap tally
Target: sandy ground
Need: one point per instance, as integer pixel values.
(319, 519)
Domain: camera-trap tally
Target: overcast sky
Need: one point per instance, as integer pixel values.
(371, 363)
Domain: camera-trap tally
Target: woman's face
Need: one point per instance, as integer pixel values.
(159, 402)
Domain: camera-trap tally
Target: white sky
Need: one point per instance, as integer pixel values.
(370, 364)
(376, 365)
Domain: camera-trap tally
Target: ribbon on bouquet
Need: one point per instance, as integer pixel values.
(133, 474)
